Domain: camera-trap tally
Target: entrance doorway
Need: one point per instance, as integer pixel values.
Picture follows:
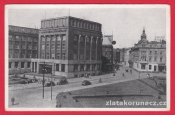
(48, 68)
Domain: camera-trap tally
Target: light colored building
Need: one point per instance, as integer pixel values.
(126, 56)
(149, 56)
(23, 48)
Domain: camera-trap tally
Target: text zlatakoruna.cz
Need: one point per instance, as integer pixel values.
(130, 103)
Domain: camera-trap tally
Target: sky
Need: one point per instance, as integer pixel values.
(125, 23)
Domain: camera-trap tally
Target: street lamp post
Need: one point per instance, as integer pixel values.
(43, 78)
(51, 86)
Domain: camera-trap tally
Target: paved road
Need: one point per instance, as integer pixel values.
(30, 95)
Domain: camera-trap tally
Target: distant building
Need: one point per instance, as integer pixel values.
(126, 56)
(107, 50)
(149, 56)
(118, 55)
(23, 49)
(70, 47)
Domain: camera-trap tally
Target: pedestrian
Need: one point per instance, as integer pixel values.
(13, 100)
(100, 80)
(123, 74)
(90, 76)
(131, 71)
(24, 75)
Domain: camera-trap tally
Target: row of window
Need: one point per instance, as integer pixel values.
(86, 25)
(107, 49)
(143, 58)
(153, 46)
(16, 64)
(54, 38)
(152, 52)
(23, 38)
(54, 23)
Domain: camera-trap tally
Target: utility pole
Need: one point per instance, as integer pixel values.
(43, 78)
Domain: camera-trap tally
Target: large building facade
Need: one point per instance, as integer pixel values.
(23, 48)
(70, 47)
(149, 56)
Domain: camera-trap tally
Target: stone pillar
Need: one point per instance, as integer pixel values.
(91, 48)
(34, 67)
(66, 67)
(78, 67)
(13, 65)
(59, 67)
(85, 67)
(79, 47)
(19, 65)
(90, 67)
(96, 48)
(53, 69)
(37, 67)
(85, 48)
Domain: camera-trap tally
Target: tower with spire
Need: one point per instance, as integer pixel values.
(143, 36)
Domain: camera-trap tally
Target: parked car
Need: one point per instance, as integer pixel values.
(62, 80)
(24, 82)
(49, 83)
(86, 82)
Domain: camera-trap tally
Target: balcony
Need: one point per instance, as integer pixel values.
(23, 47)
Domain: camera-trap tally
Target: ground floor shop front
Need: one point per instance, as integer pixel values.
(149, 67)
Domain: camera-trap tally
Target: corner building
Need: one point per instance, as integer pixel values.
(70, 47)
(23, 49)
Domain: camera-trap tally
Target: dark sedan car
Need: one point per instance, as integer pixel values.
(24, 82)
(62, 80)
(86, 82)
(49, 83)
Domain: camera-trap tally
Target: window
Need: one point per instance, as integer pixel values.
(63, 67)
(160, 52)
(88, 67)
(16, 64)
(150, 67)
(142, 66)
(43, 47)
(10, 37)
(58, 38)
(53, 56)
(48, 38)
(63, 56)
(17, 38)
(43, 38)
(155, 52)
(160, 59)
(42, 55)
(75, 67)
(53, 38)
(150, 58)
(150, 52)
(10, 64)
(64, 37)
(57, 67)
(47, 46)
(81, 56)
(47, 56)
(58, 55)
(52, 46)
(28, 64)
(75, 56)
(75, 38)
(22, 64)
(81, 67)
(155, 59)
(87, 40)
